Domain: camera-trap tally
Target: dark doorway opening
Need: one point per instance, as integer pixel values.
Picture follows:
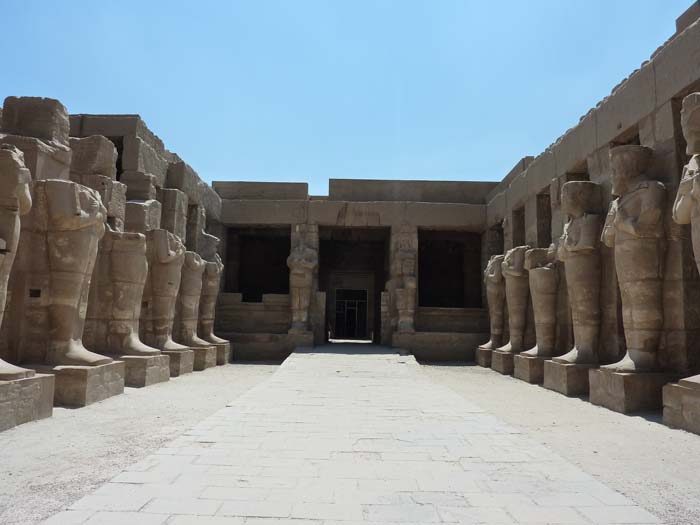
(351, 314)
(353, 269)
(256, 261)
(449, 269)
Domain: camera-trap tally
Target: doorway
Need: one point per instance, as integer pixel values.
(350, 314)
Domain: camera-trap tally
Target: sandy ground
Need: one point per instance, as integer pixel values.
(47, 465)
(656, 467)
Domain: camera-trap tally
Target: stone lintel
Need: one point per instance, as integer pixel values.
(204, 357)
(25, 400)
(503, 362)
(79, 386)
(181, 361)
(530, 369)
(627, 392)
(568, 379)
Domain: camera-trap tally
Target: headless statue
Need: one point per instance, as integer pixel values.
(15, 200)
(211, 280)
(579, 250)
(544, 283)
(76, 223)
(517, 293)
(188, 301)
(166, 254)
(496, 298)
(634, 227)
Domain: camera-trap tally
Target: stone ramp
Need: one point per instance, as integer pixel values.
(343, 437)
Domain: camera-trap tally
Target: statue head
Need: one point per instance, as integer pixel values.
(579, 197)
(629, 163)
(14, 177)
(690, 120)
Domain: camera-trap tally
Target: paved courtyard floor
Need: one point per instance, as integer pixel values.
(347, 438)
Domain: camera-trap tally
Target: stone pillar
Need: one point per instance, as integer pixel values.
(403, 277)
(634, 227)
(303, 274)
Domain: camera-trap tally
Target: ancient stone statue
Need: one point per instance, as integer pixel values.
(187, 312)
(207, 305)
(580, 253)
(166, 254)
(302, 262)
(544, 282)
(634, 227)
(15, 200)
(496, 297)
(75, 220)
(686, 208)
(517, 294)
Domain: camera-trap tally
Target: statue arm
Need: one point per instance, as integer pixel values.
(683, 205)
(608, 235)
(647, 223)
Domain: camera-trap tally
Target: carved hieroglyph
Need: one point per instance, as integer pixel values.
(496, 298)
(74, 224)
(303, 265)
(187, 311)
(15, 200)
(517, 295)
(634, 227)
(579, 250)
(543, 275)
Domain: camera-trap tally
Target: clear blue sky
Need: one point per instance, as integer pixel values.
(302, 90)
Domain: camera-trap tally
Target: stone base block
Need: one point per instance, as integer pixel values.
(204, 357)
(79, 386)
(503, 362)
(438, 346)
(530, 369)
(570, 380)
(625, 392)
(25, 400)
(483, 357)
(682, 404)
(223, 353)
(181, 361)
(141, 371)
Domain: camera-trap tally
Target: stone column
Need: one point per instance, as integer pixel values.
(634, 227)
(303, 274)
(403, 277)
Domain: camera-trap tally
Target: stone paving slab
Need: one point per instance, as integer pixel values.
(343, 438)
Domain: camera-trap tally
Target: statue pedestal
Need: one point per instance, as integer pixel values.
(483, 357)
(204, 357)
(627, 392)
(79, 386)
(223, 353)
(568, 379)
(141, 371)
(25, 400)
(503, 362)
(682, 404)
(530, 369)
(181, 361)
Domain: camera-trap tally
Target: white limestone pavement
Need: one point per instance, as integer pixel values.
(343, 438)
